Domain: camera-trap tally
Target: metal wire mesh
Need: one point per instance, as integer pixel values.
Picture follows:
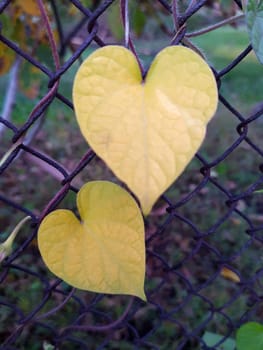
(187, 249)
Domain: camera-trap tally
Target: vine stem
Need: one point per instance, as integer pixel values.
(17, 229)
(57, 308)
(51, 38)
(215, 26)
(7, 246)
(175, 13)
(124, 9)
(105, 328)
(124, 4)
(11, 150)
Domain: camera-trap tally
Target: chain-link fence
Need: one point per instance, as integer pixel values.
(203, 237)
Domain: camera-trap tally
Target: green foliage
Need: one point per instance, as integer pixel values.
(250, 336)
(221, 47)
(254, 19)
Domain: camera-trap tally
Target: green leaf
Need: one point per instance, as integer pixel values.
(254, 19)
(211, 339)
(250, 336)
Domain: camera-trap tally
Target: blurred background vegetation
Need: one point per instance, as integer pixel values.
(58, 136)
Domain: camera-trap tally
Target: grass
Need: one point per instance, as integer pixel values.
(221, 47)
(60, 139)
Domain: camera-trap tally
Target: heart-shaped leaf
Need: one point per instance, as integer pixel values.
(146, 131)
(250, 336)
(105, 252)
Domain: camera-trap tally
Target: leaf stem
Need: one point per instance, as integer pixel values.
(215, 26)
(51, 38)
(14, 233)
(124, 4)
(7, 246)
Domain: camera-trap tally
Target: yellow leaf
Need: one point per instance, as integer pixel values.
(105, 252)
(230, 275)
(146, 131)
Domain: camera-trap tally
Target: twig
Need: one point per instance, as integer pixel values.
(51, 38)
(10, 152)
(179, 35)
(215, 26)
(58, 21)
(124, 4)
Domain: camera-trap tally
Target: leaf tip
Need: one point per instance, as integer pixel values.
(142, 295)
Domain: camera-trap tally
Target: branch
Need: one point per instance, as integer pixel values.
(51, 38)
(215, 26)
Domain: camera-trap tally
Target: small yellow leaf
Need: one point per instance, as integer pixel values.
(146, 131)
(105, 252)
(230, 275)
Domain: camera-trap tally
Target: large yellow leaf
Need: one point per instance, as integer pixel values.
(105, 252)
(146, 131)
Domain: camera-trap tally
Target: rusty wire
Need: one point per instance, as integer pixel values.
(180, 306)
